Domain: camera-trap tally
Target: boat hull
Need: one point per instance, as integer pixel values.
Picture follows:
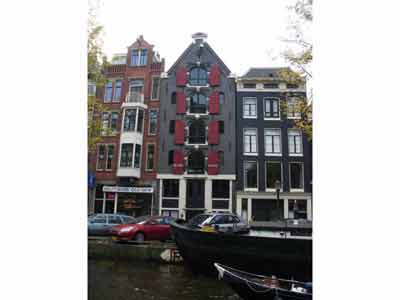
(283, 257)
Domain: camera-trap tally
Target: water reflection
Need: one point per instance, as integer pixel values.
(145, 281)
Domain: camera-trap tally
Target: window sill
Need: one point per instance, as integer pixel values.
(296, 190)
(251, 154)
(293, 118)
(273, 154)
(273, 190)
(296, 154)
(272, 119)
(247, 117)
(250, 189)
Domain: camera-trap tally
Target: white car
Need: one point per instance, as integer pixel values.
(223, 222)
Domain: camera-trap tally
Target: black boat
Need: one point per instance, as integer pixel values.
(254, 287)
(283, 256)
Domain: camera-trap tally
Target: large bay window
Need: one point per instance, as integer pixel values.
(250, 175)
(272, 141)
(130, 119)
(126, 155)
(250, 141)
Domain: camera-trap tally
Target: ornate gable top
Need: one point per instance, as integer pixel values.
(141, 43)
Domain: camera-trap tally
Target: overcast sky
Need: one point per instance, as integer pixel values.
(243, 33)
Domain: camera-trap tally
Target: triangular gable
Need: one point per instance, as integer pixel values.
(223, 67)
(141, 43)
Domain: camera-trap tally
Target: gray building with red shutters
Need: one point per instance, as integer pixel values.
(196, 158)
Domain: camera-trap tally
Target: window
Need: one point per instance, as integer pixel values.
(153, 121)
(170, 188)
(108, 94)
(221, 158)
(117, 90)
(155, 88)
(271, 108)
(143, 57)
(114, 220)
(272, 140)
(150, 157)
(91, 89)
(250, 108)
(114, 121)
(172, 126)
(126, 155)
(271, 86)
(110, 156)
(130, 119)
(221, 126)
(101, 157)
(295, 144)
(249, 85)
(292, 86)
(104, 123)
(139, 57)
(297, 209)
(198, 76)
(221, 98)
(138, 150)
(274, 173)
(140, 121)
(173, 98)
(293, 109)
(296, 176)
(198, 104)
(197, 132)
(135, 91)
(135, 57)
(250, 141)
(220, 189)
(196, 162)
(170, 157)
(250, 175)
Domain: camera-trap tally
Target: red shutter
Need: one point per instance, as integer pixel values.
(179, 132)
(181, 77)
(180, 103)
(213, 103)
(213, 133)
(213, 162)
(214, 77)
(178, 166)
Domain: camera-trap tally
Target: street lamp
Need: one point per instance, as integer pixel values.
(278, 189)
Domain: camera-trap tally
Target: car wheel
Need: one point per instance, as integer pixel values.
(139, 237)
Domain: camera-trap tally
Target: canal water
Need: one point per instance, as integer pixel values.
(118, 280)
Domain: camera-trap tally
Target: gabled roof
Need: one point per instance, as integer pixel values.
(141, 43)
(223, 67)
(262, 73)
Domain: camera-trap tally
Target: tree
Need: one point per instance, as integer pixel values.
(299, 56)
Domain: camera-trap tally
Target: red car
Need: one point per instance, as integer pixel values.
(143, 229)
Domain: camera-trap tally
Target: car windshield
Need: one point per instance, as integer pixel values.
(140, 220)
(197, 220)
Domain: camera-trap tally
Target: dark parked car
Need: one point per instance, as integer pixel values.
(143, 229)
(101, 224)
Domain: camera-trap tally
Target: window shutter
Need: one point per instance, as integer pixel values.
(213, 163)
(213, 133)
(214, 78)
(213, 102)
(180, 103)
(181, 76)
(178, 165)
(179, 132)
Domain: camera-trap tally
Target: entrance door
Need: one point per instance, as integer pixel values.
(195, 193)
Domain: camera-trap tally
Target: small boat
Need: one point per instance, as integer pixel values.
(254, 287)
(279, 255)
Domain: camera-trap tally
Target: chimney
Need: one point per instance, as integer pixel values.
(199, 37)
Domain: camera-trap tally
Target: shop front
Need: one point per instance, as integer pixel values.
(132, 201)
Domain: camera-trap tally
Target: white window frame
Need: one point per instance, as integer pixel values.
(297, 115)
(302, 175)
(104, 129)
(151, 92)
(114, 90)
(266, 170)
(243, 105)
(97, 156)
(110, 119)
(148, 127)
(105, 91)
(250, 153)
(301, 141)
(139, 50)
(120, 156)
(115, 152)
(247, 189)
(147, 156)
(140, 156)
(280, 146)
(279, 109)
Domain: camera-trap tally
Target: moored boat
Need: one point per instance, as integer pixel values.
(254, 287)
(284, 256)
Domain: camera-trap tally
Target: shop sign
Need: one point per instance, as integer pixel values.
(127, 189)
